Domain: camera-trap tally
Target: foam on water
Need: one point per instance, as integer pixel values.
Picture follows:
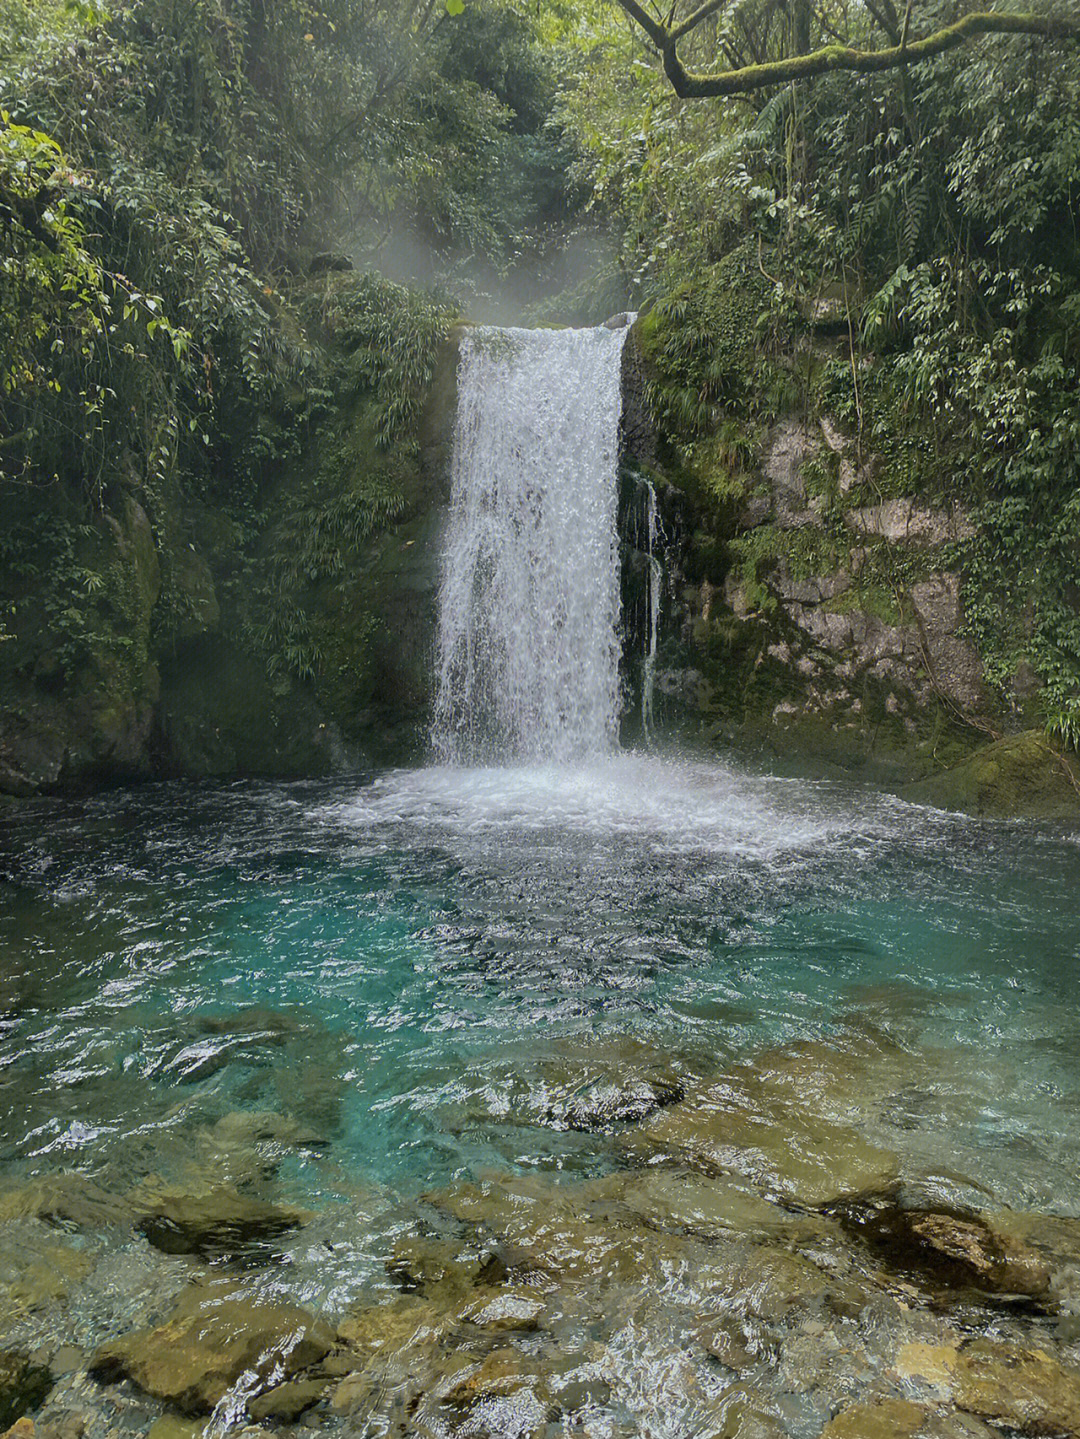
(664, 804)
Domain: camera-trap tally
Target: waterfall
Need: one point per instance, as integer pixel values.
(528, 648)
(653, 539)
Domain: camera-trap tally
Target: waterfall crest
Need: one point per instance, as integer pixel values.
(528, 648)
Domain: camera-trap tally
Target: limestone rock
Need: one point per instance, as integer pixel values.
(686, 1202)
(932, 1366)
(747, 1125)
(286, 1402)
(68, 1199)
(768, 1282)
(21, 1429)
(906, 521)
(439, 1269)
(952, 1249)
(171, 1426)
(1026, 1388)
(47, 1275)
(388, 1328)
(737, 1343)
(501, 1372)
(886, 1419)
(214, 1335)
(515, 1309)
(790, 444)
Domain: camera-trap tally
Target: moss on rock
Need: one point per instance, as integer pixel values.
(1021, 775)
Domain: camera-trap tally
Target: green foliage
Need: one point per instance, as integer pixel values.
(704, 342)
(930, 216)
(168, 168)
(390, 338)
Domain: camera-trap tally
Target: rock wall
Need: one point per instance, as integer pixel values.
(816, 615)
(186, 641)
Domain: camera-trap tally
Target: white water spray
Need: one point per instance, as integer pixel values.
(528, 660)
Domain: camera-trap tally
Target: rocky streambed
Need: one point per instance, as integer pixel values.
(748, 1263)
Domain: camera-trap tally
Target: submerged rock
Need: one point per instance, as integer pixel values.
(932, 1367)
(504, 1396)
(23, 1386)
(171, 1426)
(44, 1273)
(587, 1088)
(68, 1199)
(599, 1106)
(390, 1328)
(686, 1202)
(214, 1222)
(516, 1309)
(738, 1343)
(785, 1143)
(286, 1402)
(891, 1419)
(213, 1336)
(1025, 1388)
(951, 1249)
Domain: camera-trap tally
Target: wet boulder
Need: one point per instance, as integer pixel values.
(950, 1249)
(286, 1402)
(72, 1200)
(1027, 1389)
(890, 1418)
(744, 1125)
(501, 1397)
(215, 1334)
(516, 1309)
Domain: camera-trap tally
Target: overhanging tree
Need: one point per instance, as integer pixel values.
(905, 49)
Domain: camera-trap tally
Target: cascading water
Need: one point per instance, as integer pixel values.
(528, 659)
(653, 538)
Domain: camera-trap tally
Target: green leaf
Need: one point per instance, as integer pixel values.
(455, 7)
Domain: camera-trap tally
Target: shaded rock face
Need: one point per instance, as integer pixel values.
(1019, 775)
(860, 623)
(813, 611)
(953, 1251)
(637, 433)
(22, 1387)
(77, 693)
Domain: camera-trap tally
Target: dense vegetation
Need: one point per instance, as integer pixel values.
(180, 181)
(901, 249)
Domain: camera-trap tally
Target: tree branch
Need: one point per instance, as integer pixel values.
(689, 85)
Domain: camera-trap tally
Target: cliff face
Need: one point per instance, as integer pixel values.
(282, 629)
(813, 609)
(816, 610)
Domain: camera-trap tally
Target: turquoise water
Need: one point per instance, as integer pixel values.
(443, 1010)
(396, 963)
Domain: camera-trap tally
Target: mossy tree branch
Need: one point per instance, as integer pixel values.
(747, 78)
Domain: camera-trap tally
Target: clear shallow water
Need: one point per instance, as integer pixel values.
(434, 973)
(406, 947)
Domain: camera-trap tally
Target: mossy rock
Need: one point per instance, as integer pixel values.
(1022, 776)
(23, 1386)
(222, 714)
